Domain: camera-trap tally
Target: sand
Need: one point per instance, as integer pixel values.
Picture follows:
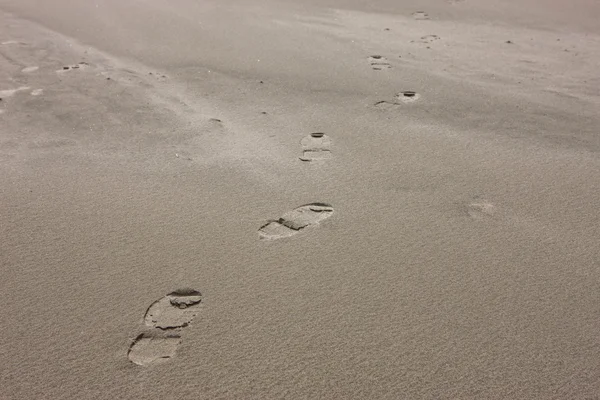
(437, 239)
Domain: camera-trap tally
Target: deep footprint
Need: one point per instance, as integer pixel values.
(153, 347)
(408, 96)
(294, 221)
(316, 146)
(175, 310)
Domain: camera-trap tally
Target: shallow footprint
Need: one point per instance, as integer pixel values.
(420, 15)
(316, 146)
(481, 210)
(30, 69)
(294, 221)
(386, 105)
(175, 310)
(153, 347)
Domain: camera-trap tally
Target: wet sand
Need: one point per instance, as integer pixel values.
(266, 199)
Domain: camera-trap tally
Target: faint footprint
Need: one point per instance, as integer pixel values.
(316, 146)
(30, 69)
(153, 347)
(427, 39)
(387, 105)
(294, 221)
(66, 68)
(37, 92)
(420, 15)
(166, 316)
(481, 210)
(408, 96)
(379, 62)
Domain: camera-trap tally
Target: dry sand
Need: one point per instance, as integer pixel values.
(438, 245)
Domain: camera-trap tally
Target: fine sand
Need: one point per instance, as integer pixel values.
(336, 199)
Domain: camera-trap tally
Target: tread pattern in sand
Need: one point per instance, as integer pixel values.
(152, 347)
(315, 147)
(175, 310)
(166, 317)
(481, 210)
(379, 63)
(296, 220)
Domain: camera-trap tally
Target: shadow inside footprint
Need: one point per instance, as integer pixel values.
(153, 347)
(379, 62)
(175, 310)
(316, 146)
(408, 96)
(294, 221)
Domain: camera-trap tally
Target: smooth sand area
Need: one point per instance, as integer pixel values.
(336, 199)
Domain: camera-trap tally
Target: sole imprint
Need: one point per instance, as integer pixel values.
(153, 347)
(315, 147)
(379, 62)
(66, 68)
(175, 310)
(420, 15)
(387, 105)
(481, 210)
(166, 317)
(294, 221)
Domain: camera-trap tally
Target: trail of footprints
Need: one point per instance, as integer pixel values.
(167, 318)
(164, 322)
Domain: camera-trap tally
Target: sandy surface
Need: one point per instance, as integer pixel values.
(440, 245)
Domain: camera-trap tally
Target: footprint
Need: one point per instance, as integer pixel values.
(37, 92)
(153, 347)
(30, 69)
(81, 65)
(175, 310)
(387, 105)
(165, 318)
(294, 221)
(408, 96)
(379, 62)
(427, 39)
(420, 15)
(316, 146)
(481, 210)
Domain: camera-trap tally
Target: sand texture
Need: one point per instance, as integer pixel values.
(333, 199)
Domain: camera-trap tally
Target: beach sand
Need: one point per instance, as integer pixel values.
(320, 199)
